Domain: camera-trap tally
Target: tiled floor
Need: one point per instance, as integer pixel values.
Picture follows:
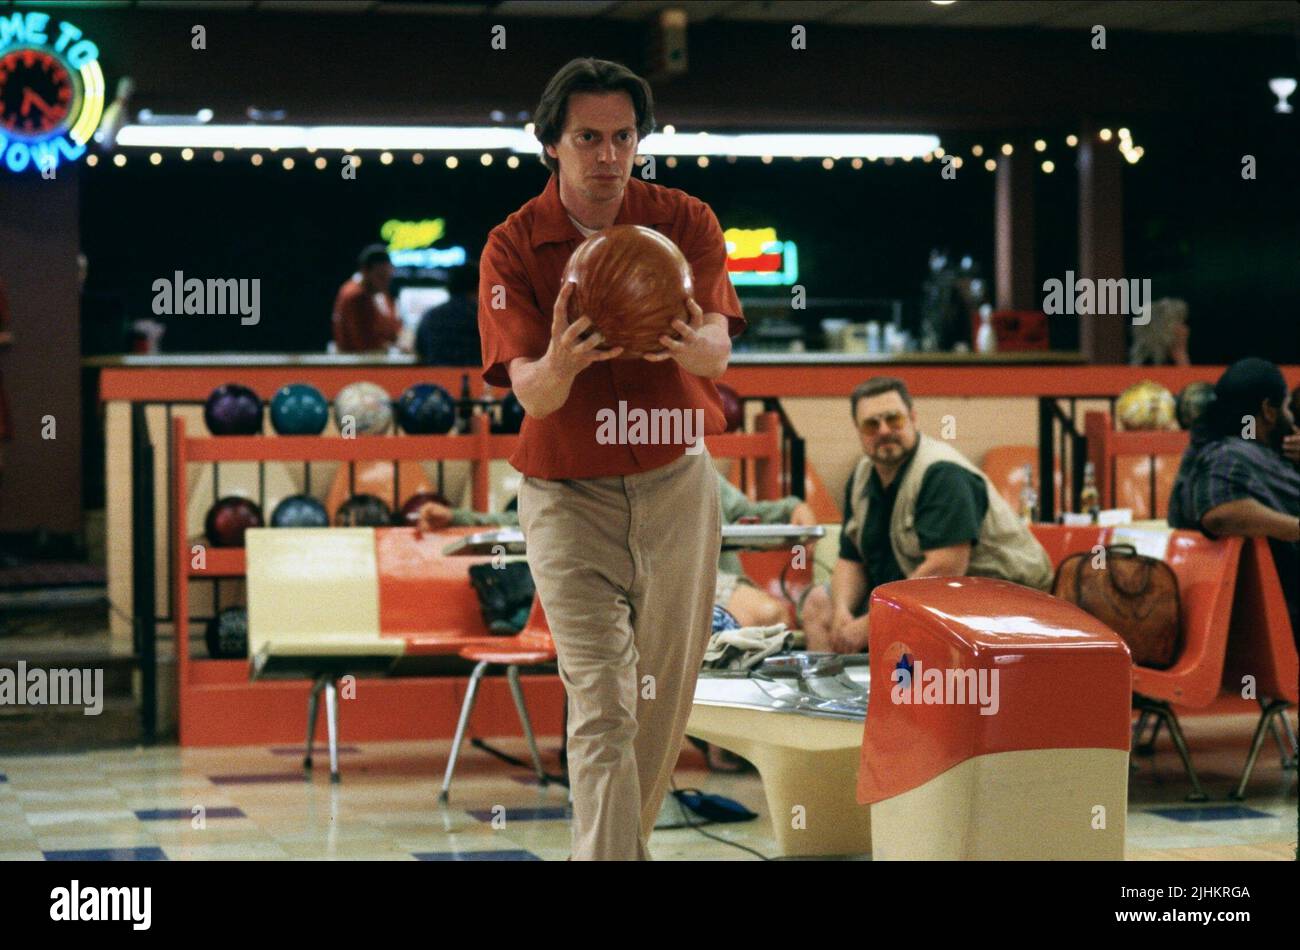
(252, 803)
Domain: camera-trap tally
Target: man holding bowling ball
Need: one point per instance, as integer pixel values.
(623, 536)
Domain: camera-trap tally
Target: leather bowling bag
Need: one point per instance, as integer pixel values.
(1134, 595)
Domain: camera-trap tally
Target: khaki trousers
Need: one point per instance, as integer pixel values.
(625, 568)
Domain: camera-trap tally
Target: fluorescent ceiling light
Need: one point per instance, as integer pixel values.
(343, 137)
(791, 144)
(489, 138)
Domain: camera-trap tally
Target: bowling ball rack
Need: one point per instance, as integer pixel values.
(218, 705)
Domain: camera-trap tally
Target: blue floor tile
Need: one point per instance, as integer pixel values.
(554, 813)
(475, 856)
(171, 814)
(1210, 813)
(4, 778)
(108, 854)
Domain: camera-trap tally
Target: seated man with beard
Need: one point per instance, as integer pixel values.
(913, 507)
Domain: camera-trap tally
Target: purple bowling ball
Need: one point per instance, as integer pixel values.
(233, 409)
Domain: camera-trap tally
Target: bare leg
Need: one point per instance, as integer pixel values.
(756, 608)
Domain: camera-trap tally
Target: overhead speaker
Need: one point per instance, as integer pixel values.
(666, 56)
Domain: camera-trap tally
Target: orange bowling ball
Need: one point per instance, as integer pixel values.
(632, 282)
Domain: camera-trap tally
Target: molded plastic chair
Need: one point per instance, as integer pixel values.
(1207, 575)
(532, 646)
(1005, 467)
(313, 612)
(1262, 645)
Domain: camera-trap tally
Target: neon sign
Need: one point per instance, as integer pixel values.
(756, 258)
(51, 92)
(409, 244)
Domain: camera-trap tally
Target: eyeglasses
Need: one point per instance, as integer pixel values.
(872, 425)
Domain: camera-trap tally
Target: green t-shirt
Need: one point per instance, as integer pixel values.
(950, 507)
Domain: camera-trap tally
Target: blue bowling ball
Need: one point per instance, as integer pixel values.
(426, 409)
(300, 511)
(511, 418)
(299, 409)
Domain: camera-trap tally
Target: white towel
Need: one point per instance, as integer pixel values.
(745, 647)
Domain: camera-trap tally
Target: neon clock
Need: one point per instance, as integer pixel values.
(51, 92)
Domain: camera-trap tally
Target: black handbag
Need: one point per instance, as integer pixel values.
(505, 595)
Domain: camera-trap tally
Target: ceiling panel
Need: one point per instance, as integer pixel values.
(553, 8)
(789, 11)
(894, 13)
(1116, 15)
(315, 6)
(1182, 16)
(75, 4)
(697, 11)
(217, 5)
(1011, 14)
(467, 8)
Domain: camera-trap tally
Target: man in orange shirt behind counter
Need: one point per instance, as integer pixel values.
(365, 317)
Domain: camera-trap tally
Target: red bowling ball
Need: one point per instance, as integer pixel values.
(732, 407)
(228, 519)
(632, 282)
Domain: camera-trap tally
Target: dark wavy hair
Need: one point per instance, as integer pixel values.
(874, 387)
(589, 75)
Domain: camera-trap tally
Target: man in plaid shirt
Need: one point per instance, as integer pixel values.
(1239, 476)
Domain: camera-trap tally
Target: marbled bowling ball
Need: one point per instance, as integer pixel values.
(233, 409)
(227, 634)
(363, 511)
(632, 282)
(409, 514)
(363, 409)
(1146, 405)
(228, 519)
(300, 511)
(299, 409)
(426, 409)
(1192, 402)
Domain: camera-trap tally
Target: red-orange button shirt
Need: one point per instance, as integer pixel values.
(525, 257)
(364, 321)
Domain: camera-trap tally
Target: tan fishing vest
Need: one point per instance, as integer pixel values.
(1005, 548)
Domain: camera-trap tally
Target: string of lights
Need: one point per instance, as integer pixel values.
(1122, 138)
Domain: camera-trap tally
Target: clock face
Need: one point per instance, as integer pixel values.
(36, 93)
